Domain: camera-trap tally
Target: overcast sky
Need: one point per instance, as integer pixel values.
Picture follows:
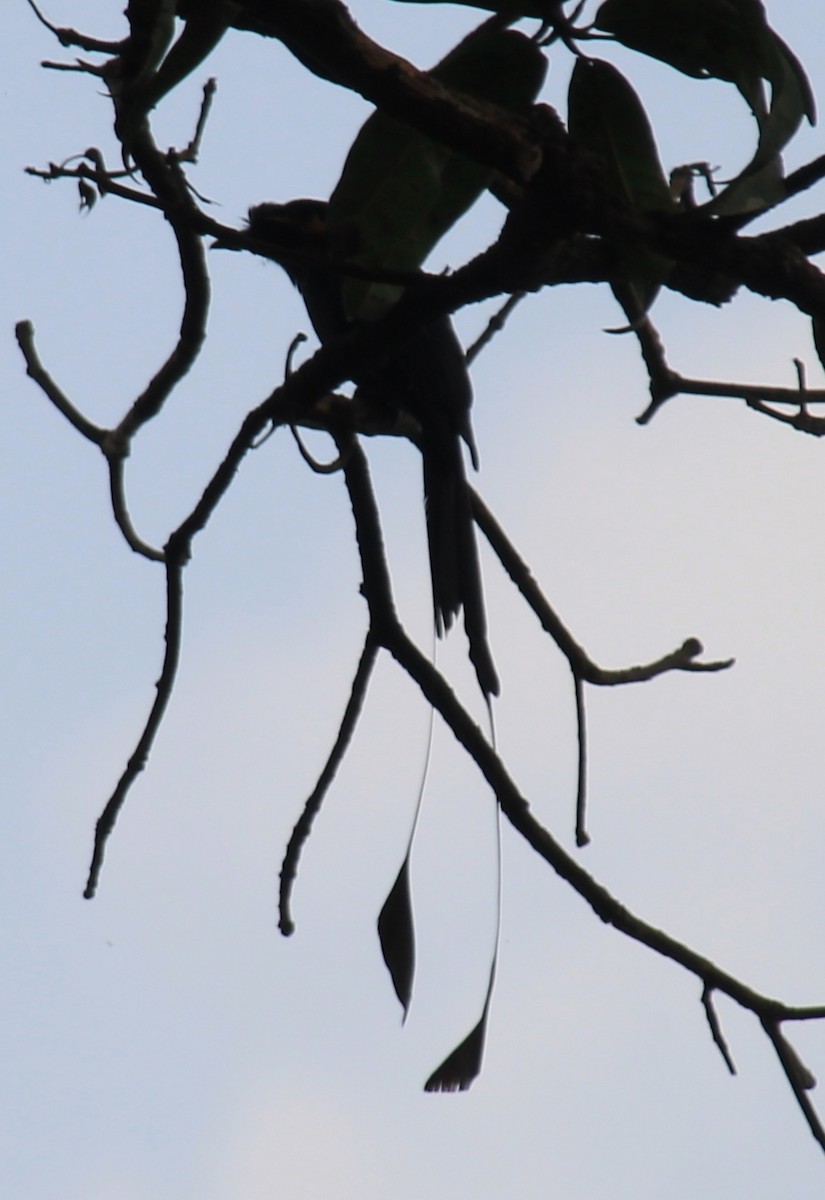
(163, 1042)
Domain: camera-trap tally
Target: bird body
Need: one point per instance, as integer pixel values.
(425, 376)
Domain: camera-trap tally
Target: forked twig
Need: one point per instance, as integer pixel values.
(683, 658)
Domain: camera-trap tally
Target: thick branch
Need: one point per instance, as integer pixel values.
(324, 37)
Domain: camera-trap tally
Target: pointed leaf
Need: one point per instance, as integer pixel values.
(729, 40)
(752, 191)
(396, 933)
(606, 116)
(761, 184)
(791, 99)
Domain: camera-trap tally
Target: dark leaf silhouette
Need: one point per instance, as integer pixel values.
(607, 117)
(729, 40)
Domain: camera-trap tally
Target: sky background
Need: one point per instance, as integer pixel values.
(163, 1042)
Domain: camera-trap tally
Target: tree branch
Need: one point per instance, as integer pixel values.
(165, 685)
(303, 828)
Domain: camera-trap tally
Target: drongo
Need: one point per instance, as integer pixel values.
(424, 376)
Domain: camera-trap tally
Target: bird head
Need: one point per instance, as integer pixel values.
(300, 227)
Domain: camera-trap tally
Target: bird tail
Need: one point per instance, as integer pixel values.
(454, 563)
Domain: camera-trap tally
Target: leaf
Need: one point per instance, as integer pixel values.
(88, 195)
(791, 98)
(401, 189)
(732, 41)
(753, 190)
(761, 183)
(606, 117)
(396, 933)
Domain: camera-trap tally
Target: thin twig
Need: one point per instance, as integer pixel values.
(716, 1029)
(494, 326)
(681, 659)
(105, 181)
(315, 464)
(191, 152)
(166, 682)
(289, 865)
(120, 509)
(582, 836)
(71, 37)
(78, 67)
(24, 331)
(760, 393)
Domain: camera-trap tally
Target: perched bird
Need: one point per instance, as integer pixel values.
(424, 376)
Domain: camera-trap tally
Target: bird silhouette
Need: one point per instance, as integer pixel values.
(425, 376)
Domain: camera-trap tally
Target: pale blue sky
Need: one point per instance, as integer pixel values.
(163, 1042)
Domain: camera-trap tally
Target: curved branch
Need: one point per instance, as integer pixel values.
(72, 37)
(120, 509)
(24, 331)
(683, 658)
(168, 183)
(166, 682)
(289, 865)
